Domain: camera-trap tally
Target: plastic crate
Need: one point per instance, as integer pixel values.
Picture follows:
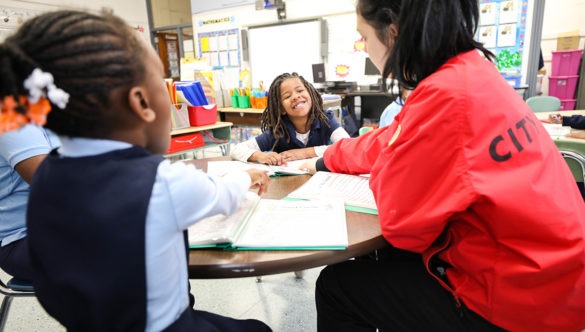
(202, 115)
(562, 87)
(567, 104)
(566, 63)
(185, 142)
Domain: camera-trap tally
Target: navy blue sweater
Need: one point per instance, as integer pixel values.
(320, 135)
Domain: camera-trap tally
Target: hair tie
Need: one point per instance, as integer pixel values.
(17, 111)
(37, 82)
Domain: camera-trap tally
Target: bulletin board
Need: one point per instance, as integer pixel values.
(220, 48)
(502, 30)
(279, 48)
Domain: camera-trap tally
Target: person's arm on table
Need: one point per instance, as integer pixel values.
(413, 196)
(357, 155)
(576, 121)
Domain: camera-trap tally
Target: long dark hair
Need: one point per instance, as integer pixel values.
(272, 116)
(89, 56)
(430, 32)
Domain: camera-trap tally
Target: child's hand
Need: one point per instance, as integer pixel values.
(294, 154)
(270, 158)
(260, 180)
(309, 166)
(555, 118)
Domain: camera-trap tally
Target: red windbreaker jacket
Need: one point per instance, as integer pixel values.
(466, 172)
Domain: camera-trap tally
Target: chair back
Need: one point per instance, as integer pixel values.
(364, 130)
(544, 103)
(573, 150)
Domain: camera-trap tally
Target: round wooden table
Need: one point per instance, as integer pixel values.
(363, 230)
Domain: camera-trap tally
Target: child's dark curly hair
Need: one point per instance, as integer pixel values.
(90, 57)
(272, 116)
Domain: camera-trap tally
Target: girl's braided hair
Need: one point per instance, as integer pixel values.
(90, 56)
(272, 117)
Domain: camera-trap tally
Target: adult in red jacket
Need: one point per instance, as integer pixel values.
(468, 181)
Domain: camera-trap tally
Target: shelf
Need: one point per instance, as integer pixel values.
(220, 130)
(189, 130)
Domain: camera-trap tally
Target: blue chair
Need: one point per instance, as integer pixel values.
(544, 103)
(13, 288)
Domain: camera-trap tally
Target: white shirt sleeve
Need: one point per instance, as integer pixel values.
(243, 150)
(336, 135)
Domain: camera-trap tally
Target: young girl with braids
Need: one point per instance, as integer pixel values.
(106, 213)
(294, 125)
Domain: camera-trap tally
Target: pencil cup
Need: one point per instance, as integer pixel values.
(261, 102)
(179, 116)
(244, 102)
(235, 102)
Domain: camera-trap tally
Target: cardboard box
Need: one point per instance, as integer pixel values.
(568, 40)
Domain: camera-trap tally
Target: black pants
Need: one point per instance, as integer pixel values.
(14, 259)
(391, 292)
(204, 321)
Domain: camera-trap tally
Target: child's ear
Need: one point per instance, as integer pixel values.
(139, 104)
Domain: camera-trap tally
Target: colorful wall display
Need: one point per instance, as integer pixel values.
(502, 30)
(220, 48)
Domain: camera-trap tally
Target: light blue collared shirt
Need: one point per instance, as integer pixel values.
(390, 112)
(15, 147)
(181, 196)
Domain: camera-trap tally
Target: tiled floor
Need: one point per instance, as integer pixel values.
(283, 302)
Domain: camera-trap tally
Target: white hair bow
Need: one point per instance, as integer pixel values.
(39, 80)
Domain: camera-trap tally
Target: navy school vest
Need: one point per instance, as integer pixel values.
(320, 135)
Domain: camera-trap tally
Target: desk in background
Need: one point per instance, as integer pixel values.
(366, 105)
(544, 116)
(363, 230)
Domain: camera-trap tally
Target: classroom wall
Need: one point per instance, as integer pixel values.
(133, 11)
(559, 16)
(340, 18)
(170, 12)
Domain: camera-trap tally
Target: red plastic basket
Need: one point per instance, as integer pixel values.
(202, 115)
(185, 142)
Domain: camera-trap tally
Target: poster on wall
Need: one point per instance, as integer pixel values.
(220, 48)
(502, 30)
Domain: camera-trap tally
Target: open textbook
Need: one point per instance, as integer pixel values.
(353, 190)
(220, 168)
(269, 224)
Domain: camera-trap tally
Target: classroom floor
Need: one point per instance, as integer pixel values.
(282, 301)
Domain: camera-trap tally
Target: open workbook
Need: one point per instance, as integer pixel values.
(269, 224)
(353, 190)
(220, 168)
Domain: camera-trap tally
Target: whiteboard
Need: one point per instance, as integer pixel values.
(276, 49)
